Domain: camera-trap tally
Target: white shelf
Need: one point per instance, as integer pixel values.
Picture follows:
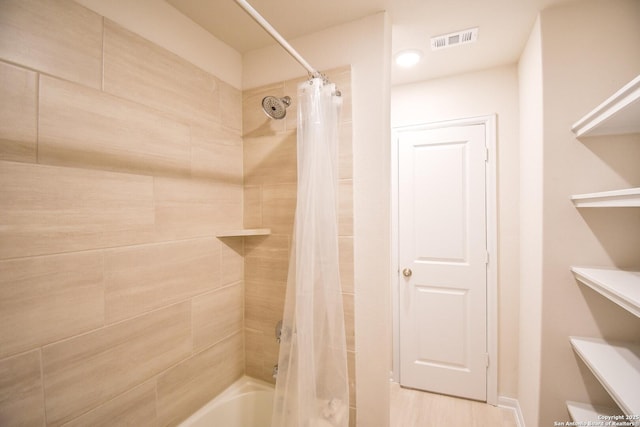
(583, 412)
(617, 367)
(245, 232)
(629, 197)
(619, 114)
(621, 287)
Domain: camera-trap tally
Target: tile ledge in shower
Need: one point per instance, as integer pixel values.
(245, 232)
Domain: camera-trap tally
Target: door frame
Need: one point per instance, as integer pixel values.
(489, 123)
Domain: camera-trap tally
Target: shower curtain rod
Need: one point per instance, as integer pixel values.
(277, 37)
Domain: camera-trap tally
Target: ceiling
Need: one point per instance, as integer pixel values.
(504, 26)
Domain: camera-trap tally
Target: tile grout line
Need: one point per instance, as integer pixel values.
(37, 117)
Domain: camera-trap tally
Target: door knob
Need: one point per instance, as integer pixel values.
(407, 272)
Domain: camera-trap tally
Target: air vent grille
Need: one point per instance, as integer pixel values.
(454, 39)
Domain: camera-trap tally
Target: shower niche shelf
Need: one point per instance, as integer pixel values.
(621, 287)
(245, 232)
(618, 114)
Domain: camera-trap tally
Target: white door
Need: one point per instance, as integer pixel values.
(443, 260)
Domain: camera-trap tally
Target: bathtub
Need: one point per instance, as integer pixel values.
(246, 403)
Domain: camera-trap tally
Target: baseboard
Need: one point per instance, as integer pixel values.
(513, 405)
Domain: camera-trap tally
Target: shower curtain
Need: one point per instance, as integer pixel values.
(312, 387)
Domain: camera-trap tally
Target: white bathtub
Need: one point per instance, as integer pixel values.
(246, 403)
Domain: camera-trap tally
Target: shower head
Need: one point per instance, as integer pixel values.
(276, 108)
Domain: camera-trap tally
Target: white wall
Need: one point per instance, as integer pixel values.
(469, 95)
(531, 171)
(365, 45)
(161, 23)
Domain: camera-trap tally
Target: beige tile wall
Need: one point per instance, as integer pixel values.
(18, 125)
(269, 201)
(119, 162)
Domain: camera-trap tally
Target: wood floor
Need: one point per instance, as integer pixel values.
(413, 408)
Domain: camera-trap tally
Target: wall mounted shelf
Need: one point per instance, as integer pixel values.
(619, 114)
(629, 197)
(621, 287)
(246, 232)
(617, 367)
(585, 412)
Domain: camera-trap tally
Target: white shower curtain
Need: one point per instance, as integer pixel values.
(312, 387)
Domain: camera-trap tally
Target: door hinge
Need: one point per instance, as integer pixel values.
(486, 360)
(486, 257)
(486, 154)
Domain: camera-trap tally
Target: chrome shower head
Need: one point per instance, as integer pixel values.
(276, 108)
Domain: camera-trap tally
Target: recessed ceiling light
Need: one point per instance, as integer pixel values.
(408, 58)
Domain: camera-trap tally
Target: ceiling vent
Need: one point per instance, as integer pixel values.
(454, 39)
